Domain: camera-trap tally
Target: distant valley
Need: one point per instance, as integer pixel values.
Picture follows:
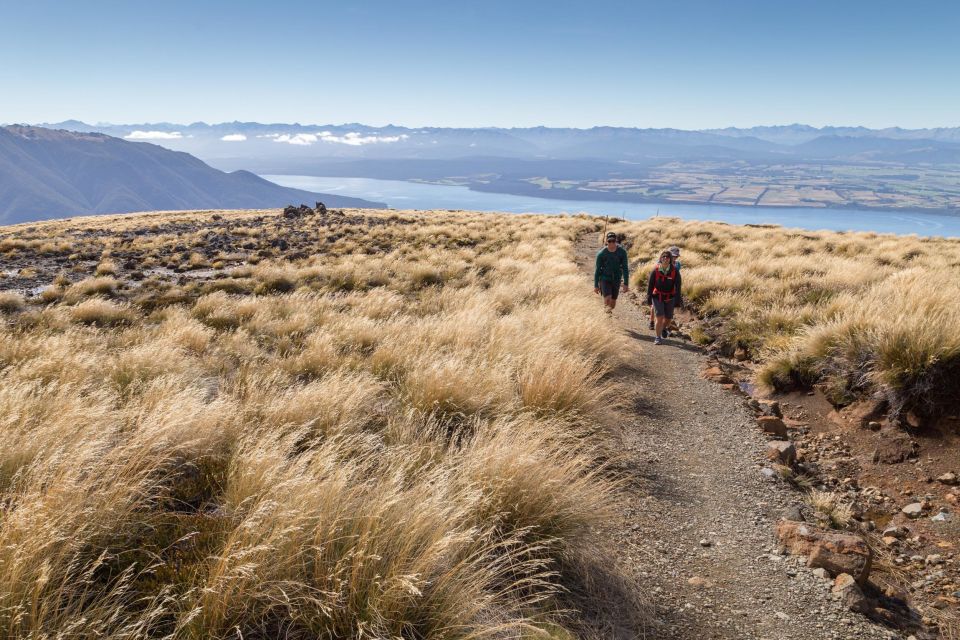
(784, 166)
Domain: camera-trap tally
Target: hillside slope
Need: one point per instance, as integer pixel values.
(48, 173)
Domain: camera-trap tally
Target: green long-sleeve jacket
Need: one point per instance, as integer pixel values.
(612, 266)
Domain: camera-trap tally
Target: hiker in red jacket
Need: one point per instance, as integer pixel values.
(663, 291)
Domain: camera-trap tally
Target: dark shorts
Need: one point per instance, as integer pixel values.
(664, 308)
(609, 290)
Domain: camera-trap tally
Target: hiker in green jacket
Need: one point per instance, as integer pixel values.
(612, 272)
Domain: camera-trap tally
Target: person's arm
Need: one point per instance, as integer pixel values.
(596, 273)
(650, 288)
(626, 270)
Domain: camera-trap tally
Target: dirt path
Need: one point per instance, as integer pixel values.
(698, 533)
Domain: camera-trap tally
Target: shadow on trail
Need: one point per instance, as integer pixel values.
(671, 342)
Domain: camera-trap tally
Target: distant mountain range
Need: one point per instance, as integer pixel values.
(263, 148)
(50, 173)
(46, 173)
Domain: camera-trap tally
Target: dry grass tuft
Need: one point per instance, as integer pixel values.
(11, 302)
(387, 437)
(862, 314)
(831, 508)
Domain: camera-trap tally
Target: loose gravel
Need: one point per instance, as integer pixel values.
(697, 534)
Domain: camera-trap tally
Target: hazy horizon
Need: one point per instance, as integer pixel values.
(305, 123)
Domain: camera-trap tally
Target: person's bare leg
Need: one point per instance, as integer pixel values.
(609, 302)
(661, 324)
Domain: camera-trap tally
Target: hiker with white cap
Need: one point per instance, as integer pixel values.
(612, 269)
(675, 252)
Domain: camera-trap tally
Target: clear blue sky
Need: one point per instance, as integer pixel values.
(684, 64)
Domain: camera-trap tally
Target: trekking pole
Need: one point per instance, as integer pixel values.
(604, 237)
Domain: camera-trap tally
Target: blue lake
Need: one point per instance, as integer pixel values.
(413, 195)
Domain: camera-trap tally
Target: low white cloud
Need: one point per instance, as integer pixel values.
(234, 137)
(352, 138)
(154, 135)
(269, 135)
(355, 139)
(301, 139)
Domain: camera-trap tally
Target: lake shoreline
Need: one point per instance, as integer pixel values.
(409, 195)
(606, 196)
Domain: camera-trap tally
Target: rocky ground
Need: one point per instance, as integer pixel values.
(699, 532)
(178, 249)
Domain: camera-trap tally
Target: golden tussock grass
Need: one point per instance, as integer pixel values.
(392, 435)
(861, 313)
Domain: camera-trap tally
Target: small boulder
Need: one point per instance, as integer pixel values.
(773, 425)
(781, 451)
(321, 208)
(771, 408)
(834, 551)
(894, 531)
(699, 583)
(894, 449)
(913, 510)
(949, 479)
(793, 513)
(292, 213)
(849, 592)
(716, 374)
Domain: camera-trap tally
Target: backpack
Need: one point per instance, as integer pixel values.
(660, 280)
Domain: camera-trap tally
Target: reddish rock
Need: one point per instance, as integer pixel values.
(913, 420)
(834, 551)
(894, 449)
(781, 451)
(716, 374)
(773, 425)
(850, 593)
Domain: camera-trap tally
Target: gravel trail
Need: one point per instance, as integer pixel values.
(698, 531)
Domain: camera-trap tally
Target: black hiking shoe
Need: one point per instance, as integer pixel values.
(666, 334)
(651, 324)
